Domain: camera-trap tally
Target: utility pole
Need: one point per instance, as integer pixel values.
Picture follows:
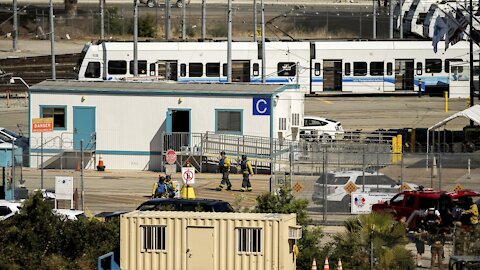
(401, 19)
(15, 26)
(374, 19)
(255, 20)
(102, 19)
(204, 19)
(390, 5)
(184, 27)
(135, 38)
(167, 20)
(262, 7)
(229, 43)
(52, 42)
(472, 86)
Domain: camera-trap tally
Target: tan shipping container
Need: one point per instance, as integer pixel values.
(207, 241)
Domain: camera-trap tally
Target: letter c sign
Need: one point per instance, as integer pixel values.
(261, 106)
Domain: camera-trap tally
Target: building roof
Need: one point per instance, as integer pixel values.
(209, 215)
(158, 88)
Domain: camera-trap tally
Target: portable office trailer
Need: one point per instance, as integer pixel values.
(125, 122)
(213, 241)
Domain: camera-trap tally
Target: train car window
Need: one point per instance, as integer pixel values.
(419, 68)
(183, 70)
(152, 69)
(433, 65)
(318, 69)
(348, 69)
(286, 69)
(256, 69)
(421, 18)
(117, 67)
(389, 68)
(195, 69)
(225, 70)
(359, 68)
(376, 68)
(213, 70)
(447, 63)
(142, 67)
(93, 70)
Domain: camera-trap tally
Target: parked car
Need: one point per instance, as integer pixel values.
(405, 203)
(8, 209)
(318, 128)
(67, 214)
(194, 205)
(5, 145)
(337, 197)
(154, 3)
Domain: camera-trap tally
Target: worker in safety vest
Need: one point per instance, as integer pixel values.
(247, 170)
(224, 167)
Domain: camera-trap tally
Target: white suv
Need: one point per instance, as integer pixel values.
(318, 128)
(339, 200)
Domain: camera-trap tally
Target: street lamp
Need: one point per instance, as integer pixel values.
(12, 81)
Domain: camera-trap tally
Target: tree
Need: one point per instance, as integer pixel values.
(309, 245)
(37, 239)
(71, 8)
(379, 230)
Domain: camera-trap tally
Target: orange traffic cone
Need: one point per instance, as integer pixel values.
(339, 265)
(100, 166)
(314, 264)
(326, 266)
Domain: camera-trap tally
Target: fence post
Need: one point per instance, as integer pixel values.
(324, 186)
(363, 168)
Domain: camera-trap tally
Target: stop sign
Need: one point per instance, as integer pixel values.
(171, 156)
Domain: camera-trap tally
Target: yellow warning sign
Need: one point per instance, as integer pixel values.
(350, 187)
(405, 187)
(297, 187)
(458, 188)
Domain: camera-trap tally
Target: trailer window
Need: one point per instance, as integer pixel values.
(249, 240)
(183, 70)
(376, 68)
(295, 119)
(153, 238)
(195, 69)
(317, 69)
(256, 69)
(348, 69)
(229, 121)
(213, 70)
(359, 68)
(286, 69)
(142, 67)
(117, 67)
(389, 68)
(93, 70)
(433, 65)
(57, 113)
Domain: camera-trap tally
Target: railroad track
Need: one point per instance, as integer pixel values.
(34, 70)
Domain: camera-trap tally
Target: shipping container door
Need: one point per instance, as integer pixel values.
(200, 253)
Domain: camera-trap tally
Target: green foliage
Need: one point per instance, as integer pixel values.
(466, 241)
(114, 22)
(388, 238)
(146, 26)
(37, 239)
(285, 203)
(219, 31)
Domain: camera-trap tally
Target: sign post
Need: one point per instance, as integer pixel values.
(42, 125)
(188, 178)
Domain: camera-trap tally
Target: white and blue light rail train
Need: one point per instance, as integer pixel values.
(335, 66)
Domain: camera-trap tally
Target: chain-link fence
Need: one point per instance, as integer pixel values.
(342, 178)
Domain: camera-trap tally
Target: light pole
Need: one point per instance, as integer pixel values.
(15, 26)
(52, 42)
(12, 81)
(135, 38)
